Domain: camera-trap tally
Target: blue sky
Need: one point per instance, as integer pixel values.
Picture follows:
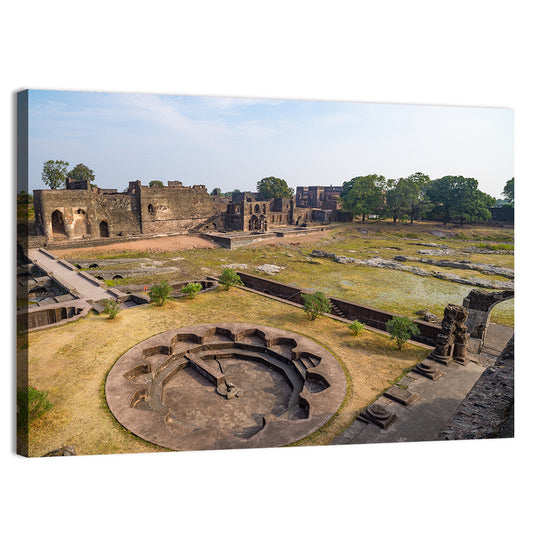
(232, 143)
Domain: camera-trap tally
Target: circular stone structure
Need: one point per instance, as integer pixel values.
(229, 385)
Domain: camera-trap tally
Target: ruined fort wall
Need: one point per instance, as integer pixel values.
(85, 214)
(170, 209)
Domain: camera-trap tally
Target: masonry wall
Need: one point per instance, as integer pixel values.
(174, 209)
(85, 214)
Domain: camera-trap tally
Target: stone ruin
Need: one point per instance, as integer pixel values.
(479, 304)
(231, 385)
(453, 340)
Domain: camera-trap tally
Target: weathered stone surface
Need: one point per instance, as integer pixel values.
(60, 452)
(428, 371)
(453, 339)
(379, 415)
(398, 264)
(269, 269)
(401, 395)
(230, 385)
(426, 315)
(488, 409)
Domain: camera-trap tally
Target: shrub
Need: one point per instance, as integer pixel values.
(356, 327)
(31, 404)
(402, 328)
(229, 278)
(191, 289)
(160, 292)
(316, 304)
(111, 308)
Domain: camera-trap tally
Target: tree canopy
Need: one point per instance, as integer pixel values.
(416, 185)
(156, 183)
(364, 195)
(54, 173)
(217, 191)
(273, 187)
(81, 172)
(458, 198)
(508, 191)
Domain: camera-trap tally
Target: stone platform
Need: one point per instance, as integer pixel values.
(228, 385)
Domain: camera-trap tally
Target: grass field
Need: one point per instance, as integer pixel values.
(71, 362)
(389, 290)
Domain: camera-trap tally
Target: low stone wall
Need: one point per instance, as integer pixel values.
(375, 318)
(32, 319)
(488, 409)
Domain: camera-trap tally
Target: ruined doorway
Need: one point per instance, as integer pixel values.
(104, 229)
(479, 304)
(58, 224)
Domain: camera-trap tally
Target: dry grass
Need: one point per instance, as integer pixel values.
(389, 290)
(71, 363)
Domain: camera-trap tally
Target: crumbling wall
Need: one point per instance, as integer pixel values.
(488, 409)
(175, 208)
(82, 212)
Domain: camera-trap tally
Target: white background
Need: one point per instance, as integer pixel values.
(457, 53)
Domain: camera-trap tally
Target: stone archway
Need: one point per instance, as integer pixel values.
(58, 223)
(479, 304)
(104, 229)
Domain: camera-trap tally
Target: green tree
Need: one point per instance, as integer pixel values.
(316, 304)
(273, 187)
(217, 191)
(458, 198)
(111, 308)
(229, 278)
(416, 185)
(54, 173)
(156, 183)
(402, 328)
(191, 289)
(364, 195)
(397, 198)
(160, 293)
(81, 172)
(508, 191)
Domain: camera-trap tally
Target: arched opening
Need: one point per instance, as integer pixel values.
(150, 208)
(257, 208)
(479, 304)
(58, 224)
(104, 229)
(117, 276)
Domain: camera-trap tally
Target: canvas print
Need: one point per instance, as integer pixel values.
(208, 273)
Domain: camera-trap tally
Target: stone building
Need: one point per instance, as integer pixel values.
(319, 197)
(84, 211)
(248, 211)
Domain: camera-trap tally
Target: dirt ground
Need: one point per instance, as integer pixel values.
(163, 244)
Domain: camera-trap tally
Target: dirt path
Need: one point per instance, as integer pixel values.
(162, 244)
(293, 239)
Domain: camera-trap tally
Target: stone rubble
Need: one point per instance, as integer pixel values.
(396, 264)
(269, 269)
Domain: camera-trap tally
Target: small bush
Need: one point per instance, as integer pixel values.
(111, 308)
(191, 289)
(402, 328)
(31, 404)
(485, 246)
(229, 278)
(160, 293)
(356, 327)
(316, 304)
